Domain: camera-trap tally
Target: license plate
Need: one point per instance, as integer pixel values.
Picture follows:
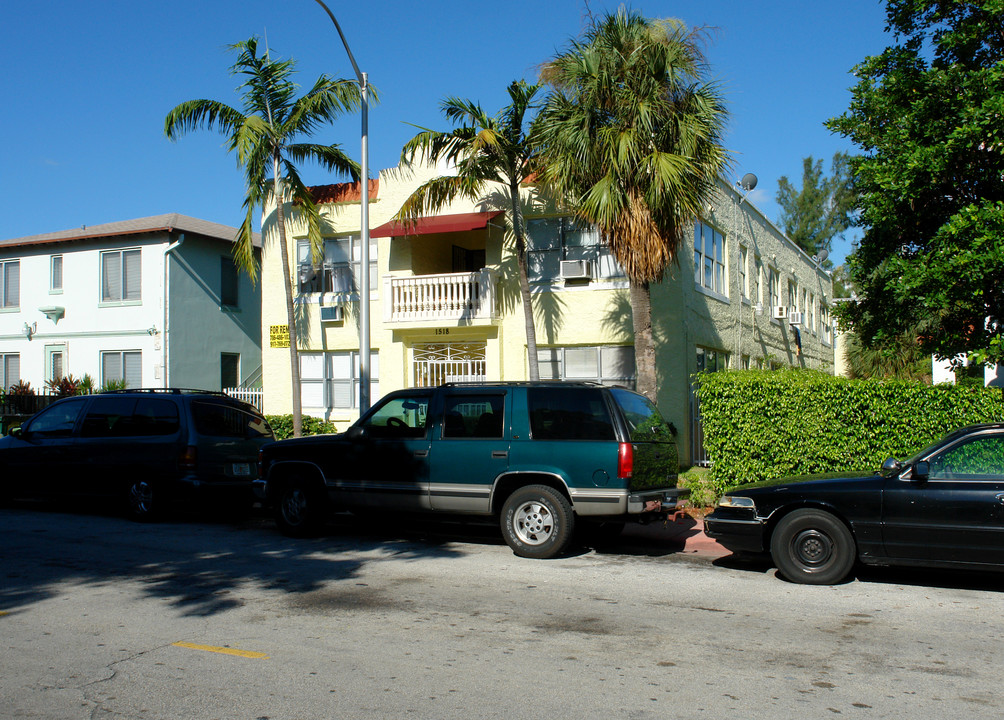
(241, 469)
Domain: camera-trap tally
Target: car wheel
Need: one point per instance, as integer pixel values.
(299, 509)
(142, 501)
(813, 547)
(537, 522)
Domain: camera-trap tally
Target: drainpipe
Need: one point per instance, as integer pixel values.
(167, 278)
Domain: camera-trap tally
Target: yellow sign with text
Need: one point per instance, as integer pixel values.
(278, 336)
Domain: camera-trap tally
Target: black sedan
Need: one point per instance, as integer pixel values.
(944, 507)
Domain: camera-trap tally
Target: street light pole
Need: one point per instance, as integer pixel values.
(364, 261)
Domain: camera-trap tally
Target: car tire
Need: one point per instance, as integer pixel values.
(813, 547)
(299, 509)
(537, 522)
(142, 500)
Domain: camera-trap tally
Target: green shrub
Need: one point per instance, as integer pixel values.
(763, 425)
(282, 426)
(702, 489)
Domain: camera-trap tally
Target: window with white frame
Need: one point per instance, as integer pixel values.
(811, 309)
(120, 276)
(10, 370)
(119, 365)
(709, 259)
(825, 328)
(331, 380)
(744, 290)
(792, 295)
(56, 274)
(755, 291)
(339, 271)
(774, 286)
(607, 364)
(551, 240)
(10, 284)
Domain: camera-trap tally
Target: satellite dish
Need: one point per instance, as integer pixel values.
(748, 182)
(821, 256)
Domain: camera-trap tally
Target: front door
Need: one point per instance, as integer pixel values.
(957, 514)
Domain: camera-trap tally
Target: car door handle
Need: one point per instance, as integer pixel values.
(421, 453)
(1000, 498)
(500, 454)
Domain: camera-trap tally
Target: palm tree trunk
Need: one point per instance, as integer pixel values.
(524, 281)
(287, 282)
(644, 347)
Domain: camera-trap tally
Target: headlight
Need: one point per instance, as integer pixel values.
(735, 501)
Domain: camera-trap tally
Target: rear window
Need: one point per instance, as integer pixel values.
(569, 414)
(215, 419)
(645, 423)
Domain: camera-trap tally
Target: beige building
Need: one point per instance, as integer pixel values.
(445, 303)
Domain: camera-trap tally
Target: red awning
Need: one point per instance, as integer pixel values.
(461, 222)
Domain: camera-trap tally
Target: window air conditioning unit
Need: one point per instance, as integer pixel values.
(779, 312)
(794, 318)
(332, 313)
(575, 270)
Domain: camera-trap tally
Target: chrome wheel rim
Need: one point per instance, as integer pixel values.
(141, 497)
(533, 523)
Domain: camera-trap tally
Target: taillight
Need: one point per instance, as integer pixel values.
(187, 460)
(625, 460)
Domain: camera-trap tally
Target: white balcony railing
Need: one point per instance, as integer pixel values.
(452, 296)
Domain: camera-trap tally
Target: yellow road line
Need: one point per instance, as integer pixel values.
(222, 650)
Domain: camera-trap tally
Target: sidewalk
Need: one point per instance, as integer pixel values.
(683, 535)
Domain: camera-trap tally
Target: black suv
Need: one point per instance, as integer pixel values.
(145, 448)
(537, 457)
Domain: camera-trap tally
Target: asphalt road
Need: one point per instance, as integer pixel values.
(101, 618)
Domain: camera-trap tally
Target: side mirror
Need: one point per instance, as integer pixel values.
(356, 432)
(891, 465)
(922, 470)
(15, 431)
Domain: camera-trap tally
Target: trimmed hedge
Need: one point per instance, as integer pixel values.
(282, 426)
(762, 425)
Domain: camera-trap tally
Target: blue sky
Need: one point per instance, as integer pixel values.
(88, 86)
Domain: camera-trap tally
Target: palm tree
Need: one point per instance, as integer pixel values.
(631, 139)
(485, 149)
(262, 136)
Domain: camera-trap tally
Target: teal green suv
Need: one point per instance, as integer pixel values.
(540, 458)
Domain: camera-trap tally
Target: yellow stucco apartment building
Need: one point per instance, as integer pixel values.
(445, 302)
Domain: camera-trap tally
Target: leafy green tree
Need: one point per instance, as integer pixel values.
(928, 112)
(631, 139)
(822, 209)
(900, 359)
(485, 149)
(263, 134)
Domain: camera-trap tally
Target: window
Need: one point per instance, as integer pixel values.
(331, 380)
(709, 259)
(551, 240)
(792, 295)
(607, 364)
(757, 273)
(218, 418)
(10, 284)
(55, 361)
(774, 286)
(120, 276)
(473, 416)
(811, 310)
(711, 360)
(228, 282)
(56, 274)
(400, 417)
(57, 420)
(568, 414)
(824, 324)
(339, 269)
(230, 370)
(117, 366)
(10, 370)
(978, 459)
(743, 281)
